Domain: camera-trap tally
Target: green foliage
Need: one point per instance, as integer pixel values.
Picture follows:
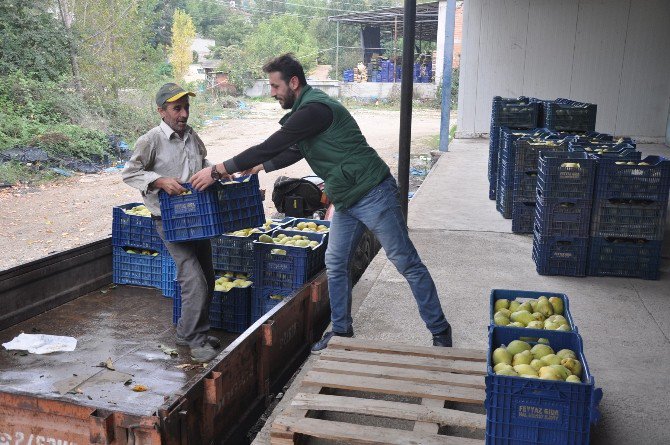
(160, 33)
(183, 34)
(32, 40)
(207, 15)
(235, 27)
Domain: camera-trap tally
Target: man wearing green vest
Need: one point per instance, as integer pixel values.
(358, 183)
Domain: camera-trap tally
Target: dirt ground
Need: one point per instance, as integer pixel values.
(40, 221)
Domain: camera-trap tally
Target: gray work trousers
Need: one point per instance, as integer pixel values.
(195, 274)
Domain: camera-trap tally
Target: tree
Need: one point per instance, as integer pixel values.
(161, 28)
(32, 40)
(183, 34)
(207, 15)
(233, 30)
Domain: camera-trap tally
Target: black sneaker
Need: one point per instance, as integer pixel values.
(443, 338)
(323, 343)
(213, 342)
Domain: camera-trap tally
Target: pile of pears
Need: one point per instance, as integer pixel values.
(540, 361)
(132, 251)
(230, 280)
(140, 210)
(243, 233)
(288, 240)
(540, 313)
(310, 226)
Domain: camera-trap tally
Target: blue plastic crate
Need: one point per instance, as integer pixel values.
(523, 217)
(525, 295)
(516, 113)
(215, 320)
(560, 255)
(292, 268)
(235, 307)
(618, 181)
(135, 268)
(168, 276)
(134, 231)
(525, 411)
(504, 199)
(605, 149)
(219, 209)
(527, 151)
(569, 115)
(266, 298)
(594, 138)
(624, 257)
(564, 217)
(525, 186)
(566, 175)
(629, 218)
(236, 253)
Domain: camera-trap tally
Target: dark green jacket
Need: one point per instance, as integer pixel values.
(340, 155)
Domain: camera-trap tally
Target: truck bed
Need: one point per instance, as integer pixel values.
(125, 323)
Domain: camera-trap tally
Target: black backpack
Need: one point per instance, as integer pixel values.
(296, 197)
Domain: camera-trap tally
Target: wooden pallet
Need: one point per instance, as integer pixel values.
(433, 375)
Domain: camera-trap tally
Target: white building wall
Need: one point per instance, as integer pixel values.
(615, 53)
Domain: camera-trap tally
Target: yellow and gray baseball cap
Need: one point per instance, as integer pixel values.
(171, 92)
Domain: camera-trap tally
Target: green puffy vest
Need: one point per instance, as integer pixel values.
(340, 155)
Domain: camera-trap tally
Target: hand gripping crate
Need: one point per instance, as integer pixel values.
(562, 217)
(136, 268)
(221, 208)
(236, 253)
(288, 267)
(566, 175)
(569, 115)
(133, 230)
(235, 309)
(265, 298)
(624, 257)
(629, 218)
(523, 217)
(215, 309)
(616, 180)
(525, 295)
(525, 411)
(560, 255)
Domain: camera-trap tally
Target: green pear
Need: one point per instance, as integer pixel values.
(266, 239)
(505, 312)
(573, 379)
(516, 324)
(544, 341)
(516, 346)
(540, 350)
(500, 366)
(564, 327)
(500, 320)
(508, 372)
(559, 319)
(524, 317)
(565, 353)
(503, 303)
(537, 364)
(551, 359)
(562, 370)
(522, 358)
(544, 307)
(556, 304)
(502, 355)
(535, 325)
(549, 373)
(538, 316)
(524, 369)
(514, 306)
(573, 365)
(525, 306)
(533, 305)
(550, 325)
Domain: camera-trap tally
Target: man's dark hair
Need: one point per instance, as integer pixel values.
(288, 66)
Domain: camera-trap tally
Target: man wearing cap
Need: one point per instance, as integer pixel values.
(164, 158)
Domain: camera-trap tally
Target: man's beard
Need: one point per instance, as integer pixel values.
(289, 100)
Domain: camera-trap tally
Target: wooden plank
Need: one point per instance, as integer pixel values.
(393, 410)
(355, 344)
(414, 375)
(432, 364)
(429, 427)
(386, 386)
(369, 435)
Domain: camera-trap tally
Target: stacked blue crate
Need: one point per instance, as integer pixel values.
(563, 207)
(628, 219)
(569, 115)
(521, 113)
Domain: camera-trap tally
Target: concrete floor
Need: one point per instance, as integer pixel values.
(469, 249)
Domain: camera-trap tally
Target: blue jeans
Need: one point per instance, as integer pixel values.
(380, 211)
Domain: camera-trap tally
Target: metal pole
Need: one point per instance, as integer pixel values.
(446, 74)
(337, 51)
(406, 86)
(395, 45)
